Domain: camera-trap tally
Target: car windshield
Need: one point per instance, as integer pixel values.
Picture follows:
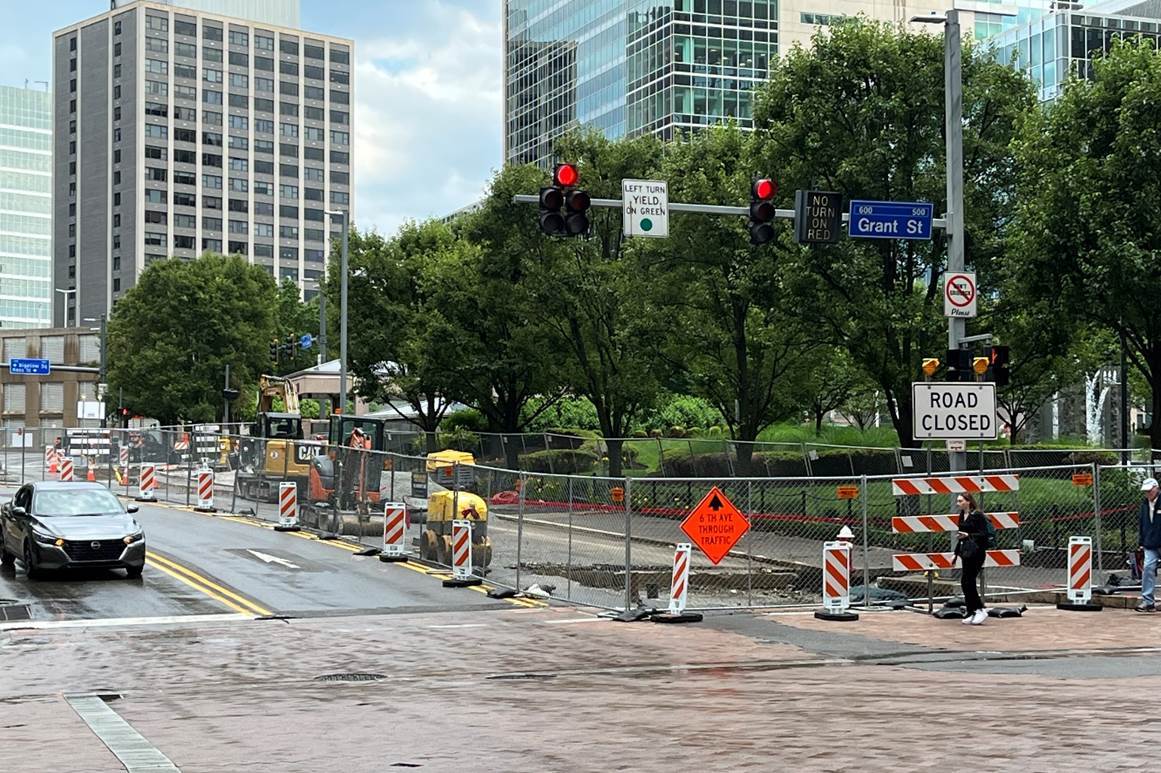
(75, 502)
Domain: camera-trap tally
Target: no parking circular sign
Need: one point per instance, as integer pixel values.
(959, 295)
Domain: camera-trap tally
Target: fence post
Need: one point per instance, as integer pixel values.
(660, 458)
(863, 495)
(628, 544)
(1096, 509)
(23, 448)
(750, 543)
(806, 461)
(520, 528)
(568, 564)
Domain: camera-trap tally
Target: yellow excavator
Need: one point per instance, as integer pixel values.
(275, 450)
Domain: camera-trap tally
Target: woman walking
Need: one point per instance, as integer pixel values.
(971, 549)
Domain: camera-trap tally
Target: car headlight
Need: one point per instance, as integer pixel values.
(134, 538)
(45, 538)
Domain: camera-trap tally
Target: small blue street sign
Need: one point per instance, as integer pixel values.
(19, 366)
(306, 341)
(891, 219)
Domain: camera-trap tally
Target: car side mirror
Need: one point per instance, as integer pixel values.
(19, 512)
(132, 509)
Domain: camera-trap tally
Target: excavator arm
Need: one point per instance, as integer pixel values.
(270, 387)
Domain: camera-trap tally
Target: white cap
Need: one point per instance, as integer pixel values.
(845, 533)
(1148, 483)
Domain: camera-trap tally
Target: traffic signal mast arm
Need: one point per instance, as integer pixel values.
(705, 209)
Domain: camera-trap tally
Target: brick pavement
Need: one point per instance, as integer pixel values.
(230, 696)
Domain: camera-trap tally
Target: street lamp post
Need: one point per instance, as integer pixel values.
(342, 310)
(102, 378)
(66, 294)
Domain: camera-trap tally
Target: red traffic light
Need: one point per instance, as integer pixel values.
(765, 189)
(566, 175)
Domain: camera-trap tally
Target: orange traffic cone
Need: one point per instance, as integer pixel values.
(52, 465)
(91, 477)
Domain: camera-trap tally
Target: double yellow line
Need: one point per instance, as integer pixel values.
(202, 584)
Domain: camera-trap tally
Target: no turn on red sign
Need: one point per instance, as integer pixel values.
(959, 295)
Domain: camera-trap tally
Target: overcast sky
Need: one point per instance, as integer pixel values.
(427, 92)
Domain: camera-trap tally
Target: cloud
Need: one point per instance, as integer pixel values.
(428, 116)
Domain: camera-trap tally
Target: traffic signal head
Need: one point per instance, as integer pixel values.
(551, 221)
(959, 365)
(574, 220)
(999, 360)
(930, 365)
(577, 205)
(762, 210)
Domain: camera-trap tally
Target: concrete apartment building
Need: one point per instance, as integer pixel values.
(25, 207)
(179, 130)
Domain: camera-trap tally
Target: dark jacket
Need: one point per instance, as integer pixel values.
(1150, 532)
(976, 528)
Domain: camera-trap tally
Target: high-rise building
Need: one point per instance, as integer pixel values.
(25, 207)
(282, 13)
(181, 131)
(630, 67)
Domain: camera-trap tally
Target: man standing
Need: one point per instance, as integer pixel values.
(1150, 540)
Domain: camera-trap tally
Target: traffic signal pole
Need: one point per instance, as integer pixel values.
(953, 115)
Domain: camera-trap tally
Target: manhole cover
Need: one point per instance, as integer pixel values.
(349, 678)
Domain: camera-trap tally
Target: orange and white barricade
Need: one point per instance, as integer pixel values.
(957, 484)
(836, 582)
(146, 483)
(66, 468)
(394, 532)
(679, 589)
(205, 483)
(926, 562)
(52, 459)
(123, 457)
(287, 506)
(461, 557)
(1080, 576)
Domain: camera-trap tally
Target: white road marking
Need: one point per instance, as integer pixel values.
(272, 559)
(574, 620)
(109, 622)
(461, 625)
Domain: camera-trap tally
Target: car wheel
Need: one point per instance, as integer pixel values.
(30, 567)
(134, 572)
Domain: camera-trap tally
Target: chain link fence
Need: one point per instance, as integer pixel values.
(609, 541)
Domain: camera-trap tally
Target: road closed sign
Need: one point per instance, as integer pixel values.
(953, 411)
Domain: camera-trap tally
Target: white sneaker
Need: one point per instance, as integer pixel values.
(979, 617)
(967, 620)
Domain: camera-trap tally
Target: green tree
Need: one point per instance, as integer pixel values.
(294, 318)
(393, 350)
(172, 335)
(861, 112)
(1087, 228)
(498, 353)
(718, 302)
(591, 295)
(834, 382)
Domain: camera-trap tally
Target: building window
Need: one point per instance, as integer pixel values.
(213, 139)
(154, 196)
(288, 45)
(239, 227)
(315, 134)
(340, 178)
(211, 32)
(116, 203)
(288, 130)
(313, 214)
(314, 92)
(263, 63)
(239, 81)
(264, 208)
(117, 283)
(288, 231)
(190, 135)
(288, 170)
(212, 245)
(263, 146)
(239, 143)
(239, 100)
(239, 38)
(288, 89)
(239, 205)
(339, 157)
(184, 178)
(182, 113)
(263, 167)
(313, 175)
(152, 151)
(314, 154)
(264, 84)
(52, 393)
(313, 194)
(340, 55)
(212, 223)
(212, 55)
(212, 76)
(313, 52)
(185, 28)
(154, 239)
(188, 50)
(338, 197)
(237, 248)
(263, 105)
(239, 185)
(186, 92)
(340, 77)
(264, 229)
(188, 157)
(340, 138)
(212, 118)
(263, 126)
(211, 159)
(239, 165)
(212, 97)
(338, 116)
(311, 72)
(314, 113)
(340, 98)
(239, 122)
(156, 23)
(155, 174)
(288, 68)
(288, 109)
(116, 49)
(184, 221)
(156, 132)
(264, 250)
(156, 66)
(263, 42)
(288, 211)
(185, 199)
(212, 202)
(212, 181)
(288, 192)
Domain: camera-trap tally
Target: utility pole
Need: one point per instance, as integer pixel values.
(226, 399)
(343, 310)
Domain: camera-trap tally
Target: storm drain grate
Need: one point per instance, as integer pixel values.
(10, 609)
(523, 676)
(349, 678)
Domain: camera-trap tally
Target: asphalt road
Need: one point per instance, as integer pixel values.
(210, 564)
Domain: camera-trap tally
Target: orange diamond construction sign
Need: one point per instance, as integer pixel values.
(715, 525)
